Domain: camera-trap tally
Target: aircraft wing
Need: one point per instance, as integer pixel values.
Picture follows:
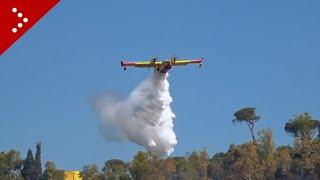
(142, 64)
(186, 62)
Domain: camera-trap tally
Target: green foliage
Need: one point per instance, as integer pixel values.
(244, 161)
(184, 168)
(302, 126)
(169, 168)
(215, 168)
(266, 149)
(284, 160)
(140, 167)
(247, 115)
(90, 172)
(266, 143)
(28, 167)
(10, 165)
(200, 161)
(115, 169)
(157, 166)
(306, 156)
(37, 165)
(51, 172)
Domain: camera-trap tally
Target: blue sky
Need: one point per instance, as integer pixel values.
(260, 54)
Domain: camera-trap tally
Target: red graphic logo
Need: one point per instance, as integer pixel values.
(18, 16)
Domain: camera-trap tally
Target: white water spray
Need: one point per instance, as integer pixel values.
(144, 118)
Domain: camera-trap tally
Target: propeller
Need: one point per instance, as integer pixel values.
(173, 58)
(153, 60)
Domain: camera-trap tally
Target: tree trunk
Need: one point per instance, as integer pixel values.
(252, 134)
(251, 127)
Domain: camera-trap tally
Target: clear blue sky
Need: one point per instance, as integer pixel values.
(260, 54)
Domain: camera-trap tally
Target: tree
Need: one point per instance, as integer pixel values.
(10, 165)
(115, 169)
(245, 162)
(184, 168)
(284, 161)
(90, 172)
(51, 172)
(169, 167)
(200, 162)
(140, 166)
(248, 116)
(37, 165)
(215, 170)
(302, 126)
(266, 148)
(318, 169)
(28, 167)
(156, 166)
(305, 159)
(266, 143)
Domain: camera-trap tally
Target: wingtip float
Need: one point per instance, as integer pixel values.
(161, 66)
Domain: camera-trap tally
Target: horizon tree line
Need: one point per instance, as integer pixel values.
(256, 159)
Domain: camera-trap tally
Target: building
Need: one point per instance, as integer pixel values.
(72, 175)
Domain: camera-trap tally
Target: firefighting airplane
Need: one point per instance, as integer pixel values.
(161, 66)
